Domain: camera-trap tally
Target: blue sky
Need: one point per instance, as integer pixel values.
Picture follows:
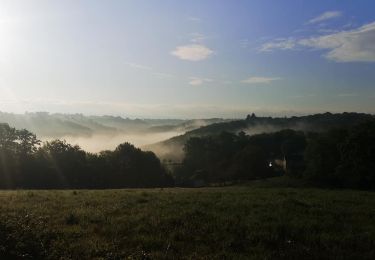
(188, 59)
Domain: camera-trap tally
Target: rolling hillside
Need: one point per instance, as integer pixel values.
(172, 149)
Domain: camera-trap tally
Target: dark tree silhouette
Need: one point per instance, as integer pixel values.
(341, 157)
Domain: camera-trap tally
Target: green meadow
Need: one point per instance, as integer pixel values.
(261, 220)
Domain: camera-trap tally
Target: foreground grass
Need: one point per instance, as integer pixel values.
(256, 221)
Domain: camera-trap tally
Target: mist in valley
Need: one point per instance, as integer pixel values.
(101, 142)
(98, 133)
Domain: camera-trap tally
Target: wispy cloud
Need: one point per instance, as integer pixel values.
(348, 95)
(303, 96)
(192, 52)
(260, 80)
(137, 66)
(195, 81)
(347, 46)
(197, 37)
(194, 19)
(327, 30)
(162, 75)
(280, 44)
(355, 45)
(325, 16)
(149, 70)
(244, 43)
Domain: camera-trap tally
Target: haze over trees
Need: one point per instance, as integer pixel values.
(339, 153)
(57, 164)
(173, 147)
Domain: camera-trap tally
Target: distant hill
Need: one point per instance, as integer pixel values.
(171, 149)
(46, 125)
(187, 125)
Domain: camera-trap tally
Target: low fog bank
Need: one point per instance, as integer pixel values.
(269, 128)
(98, 133)
(100, 142)
(172, 152)
(46, 125)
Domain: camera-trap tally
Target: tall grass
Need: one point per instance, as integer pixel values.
(205, 223)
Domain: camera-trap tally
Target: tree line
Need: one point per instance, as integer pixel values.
(26, 163)
(340, 157)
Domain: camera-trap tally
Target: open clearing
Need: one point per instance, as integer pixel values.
(254, 221)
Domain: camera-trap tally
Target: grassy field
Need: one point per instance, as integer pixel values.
(257, 221)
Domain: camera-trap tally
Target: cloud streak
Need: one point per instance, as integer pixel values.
(280, 44)
(162, 75)
(197, 37)
(195, 81)
(325, 16)
(137, 66)
(192, 52)
(260, 80)
(194, 19)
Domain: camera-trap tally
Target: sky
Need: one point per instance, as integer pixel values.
(187, 59)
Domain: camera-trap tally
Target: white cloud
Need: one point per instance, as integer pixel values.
(355, 45)
(192, 52)
(325, 16)
(347, 46)
(260, 80)
(195, 81)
